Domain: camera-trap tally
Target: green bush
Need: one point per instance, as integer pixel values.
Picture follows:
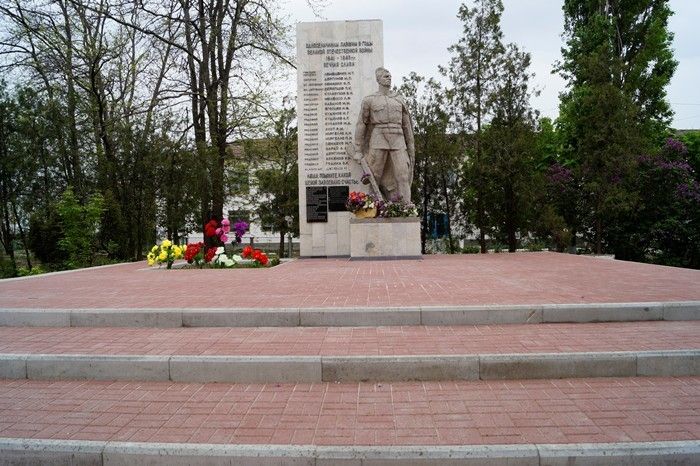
(471, 250)
(7, 270)
(24, 271)
(535, 246)
(45, 232)
(80, 228)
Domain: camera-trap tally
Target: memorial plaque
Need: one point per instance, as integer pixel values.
(336, 61)
(337, 195)
(317, 204)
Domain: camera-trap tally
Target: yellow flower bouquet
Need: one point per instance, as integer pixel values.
(166, 253)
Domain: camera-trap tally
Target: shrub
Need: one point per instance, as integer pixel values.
(80, 228)
(535, 246)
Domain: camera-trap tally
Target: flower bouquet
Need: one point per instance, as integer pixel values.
(256, 255)
(361, 204)
(166, 253)
(399, 209)
(197, 254)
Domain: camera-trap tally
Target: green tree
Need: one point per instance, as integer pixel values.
(436, 168)
(80, 228)
(274, 161)
(473, 74)
(510, 148)
(27, 168)
(665, 225)
(617, 61)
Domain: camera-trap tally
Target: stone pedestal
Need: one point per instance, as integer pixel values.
(385, 237)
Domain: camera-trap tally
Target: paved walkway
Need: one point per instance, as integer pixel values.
(427, 413)
(344, 341)
(522, 278)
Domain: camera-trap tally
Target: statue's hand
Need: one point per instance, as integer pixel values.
(357, 156)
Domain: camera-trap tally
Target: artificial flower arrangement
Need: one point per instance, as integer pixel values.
(398, 209)
(256, 254)
(199, 255)
(357, 200)
(166, 253)
(363, 203)
(211, 251)
(221, 260)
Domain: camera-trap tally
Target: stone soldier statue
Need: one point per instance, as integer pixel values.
(384, 137)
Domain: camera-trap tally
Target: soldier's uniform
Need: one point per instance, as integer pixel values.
(385, 121)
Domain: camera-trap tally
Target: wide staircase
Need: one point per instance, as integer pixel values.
(531, 385)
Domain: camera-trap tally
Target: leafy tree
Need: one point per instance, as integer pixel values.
(27, 170)
(509, 149)
(436, 168)
(617, 61)
(665, 225)
(228, 52)
(691, 141)
(80, 227)
(473, 73)
(274, 161)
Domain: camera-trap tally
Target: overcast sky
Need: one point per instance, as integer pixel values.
(417, 34)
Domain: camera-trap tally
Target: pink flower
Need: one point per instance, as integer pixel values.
(223, 238)
(218, 231)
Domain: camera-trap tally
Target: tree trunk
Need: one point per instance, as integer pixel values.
(22, 235)
(448, 210)
(424, 230)
(280, 251)
(510, 219)
(6, 237)
(598, 226)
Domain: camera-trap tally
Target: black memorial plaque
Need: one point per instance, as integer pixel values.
(337, 195)
(317, 204)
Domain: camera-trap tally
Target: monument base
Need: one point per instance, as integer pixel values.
(385, 238)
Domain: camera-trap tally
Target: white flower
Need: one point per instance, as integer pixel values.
(229, 263)
(236, 258)
(221, 258)
(220, 250)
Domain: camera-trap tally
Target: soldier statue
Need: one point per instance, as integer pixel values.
(384, 138)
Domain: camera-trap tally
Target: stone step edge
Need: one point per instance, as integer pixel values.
(313, 369)
(99, 453)
(355, 317)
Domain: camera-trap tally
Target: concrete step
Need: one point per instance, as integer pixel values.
(351, 316)
(571, 421)
(298, 354)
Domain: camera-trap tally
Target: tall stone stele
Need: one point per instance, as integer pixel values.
(384, 141)
(335, 69)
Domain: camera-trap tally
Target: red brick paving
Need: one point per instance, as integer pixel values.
(341, 341)
(522, 278)
(429, 413)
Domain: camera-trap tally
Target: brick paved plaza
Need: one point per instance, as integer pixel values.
(535, 353)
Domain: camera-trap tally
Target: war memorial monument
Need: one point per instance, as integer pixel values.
(350, 124)
(530, 358)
